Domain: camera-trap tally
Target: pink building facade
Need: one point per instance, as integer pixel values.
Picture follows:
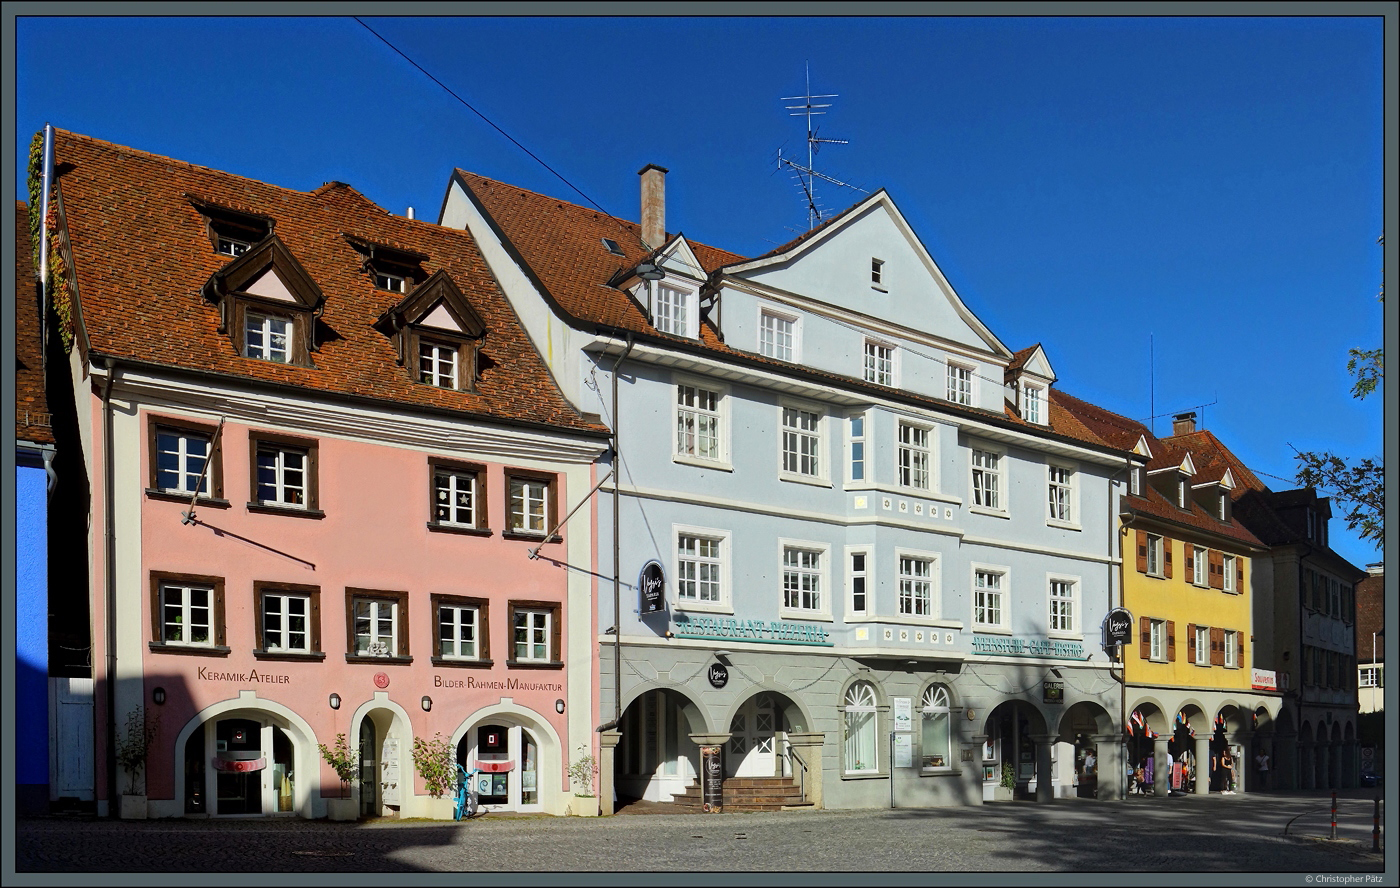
(331, 539)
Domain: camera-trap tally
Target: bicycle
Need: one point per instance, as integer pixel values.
(466, 802)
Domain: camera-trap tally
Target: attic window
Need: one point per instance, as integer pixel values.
(877, 272)
(392, 268)
(437, 334)
(232, 232)
(229, 246)
(612, 246)
(385, 281)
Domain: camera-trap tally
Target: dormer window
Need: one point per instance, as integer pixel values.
(437, 334)
(1183, 495)
(673, 311)
(231, 247)
(394, 268)
(437, 363)
(385, 281)
(1135, 481)
(267, 304)
(1032, 404)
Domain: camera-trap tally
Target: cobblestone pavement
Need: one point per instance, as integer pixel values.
(1177, 835)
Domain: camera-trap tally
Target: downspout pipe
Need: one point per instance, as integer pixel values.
(109, 561)
(1117, 534)
(617, 546)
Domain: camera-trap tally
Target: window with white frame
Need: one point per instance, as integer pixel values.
(180, 460)
(1033, 403)
(530, 502)
(700, 568)
(777, 335)
(1158, 640)
(1202, 645)
(989, 598)
(1183, 495)
(858, 581)
(532, 635)
(282, 475)
(987, 480)
(916, 586)
(857, 433)
(1228, 566)
(1060, 493)
(455, 500)
(1154, 555)
(914, 457)
(937, 740)
(1135, 481)
(877, 272)
(1371, 677)
(229, 246)
(393, 282)
(879, 363)
(376, 627)
(437, 364)
(1231, 649)
(803, 579)
(187, 614)
(1199, 566)
(802, 442)
(672, 311)
(267, 337)
(1064, 605)
(698, 422)
(458, 631)
(959, 384)
(286, 621)
(860, 749)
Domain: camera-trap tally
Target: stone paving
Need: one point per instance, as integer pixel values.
(1269, 834)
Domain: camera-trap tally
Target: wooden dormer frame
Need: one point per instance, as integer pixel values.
(228, 288)
(404, 324)
(226, 222)
(383, 258)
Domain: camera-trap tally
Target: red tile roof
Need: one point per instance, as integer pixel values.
(141, 256)
(32, 422)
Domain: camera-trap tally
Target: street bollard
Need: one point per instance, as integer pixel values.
(1334, 813)
(1376, 826)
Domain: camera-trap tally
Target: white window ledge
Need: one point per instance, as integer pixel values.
(804, 479)
(1067, 525)
(698, 462)
(993, 513)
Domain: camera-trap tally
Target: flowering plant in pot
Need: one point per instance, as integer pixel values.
(132, 749)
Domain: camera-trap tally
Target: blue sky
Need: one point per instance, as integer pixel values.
(1204, 191)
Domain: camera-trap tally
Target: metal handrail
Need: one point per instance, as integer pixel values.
(802, 779)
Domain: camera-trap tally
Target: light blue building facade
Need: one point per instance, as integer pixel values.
(886, 555)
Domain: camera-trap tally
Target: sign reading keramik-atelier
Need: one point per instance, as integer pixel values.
(763, 631)
(1012, 646)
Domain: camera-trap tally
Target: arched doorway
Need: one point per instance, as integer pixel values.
(757, 732)
(1016, 732)
(1084, 764)
(242, 763)
(656, 759)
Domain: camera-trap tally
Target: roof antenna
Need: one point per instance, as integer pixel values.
(806, 176)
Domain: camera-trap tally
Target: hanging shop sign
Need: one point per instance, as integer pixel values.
(1264, 680)
(761, 631)
(718, 675)
(651, 588)
(239, 766)
(1054, 692)
(1117, 627)
(1012, 646)
(712, 787)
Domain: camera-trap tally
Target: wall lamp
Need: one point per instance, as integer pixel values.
(559, 706)
(158, 695)
(427, 703)
(335, 701)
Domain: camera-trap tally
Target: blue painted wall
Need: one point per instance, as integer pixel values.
(31, 629)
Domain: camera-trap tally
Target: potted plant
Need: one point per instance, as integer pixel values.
(342, 761)
(435, 763)
(581, 773)
(132, 748)
(1006, 790)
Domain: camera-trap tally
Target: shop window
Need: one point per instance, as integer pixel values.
(937, 745)
(860, 749)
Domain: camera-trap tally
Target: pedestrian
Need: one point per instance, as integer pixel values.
(1227, 765)
(1149, 773)
(1261, 761)
(1171, 772)
(1090, 763)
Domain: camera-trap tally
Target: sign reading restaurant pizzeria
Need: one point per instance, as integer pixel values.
(763, 631)
(651, 588)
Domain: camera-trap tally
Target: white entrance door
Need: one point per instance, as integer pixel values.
(515, 780)
(751, 739)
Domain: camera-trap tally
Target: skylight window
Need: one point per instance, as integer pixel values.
(612, 246)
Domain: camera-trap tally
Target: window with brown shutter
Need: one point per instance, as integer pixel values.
(1217, 569)
(1188, 553)
(1145, 648)
(1191, 642)
(1239, 574)
(1167, 557)
(1171, 642)
(1239, 652)
(1217, 647)
(1142, 551)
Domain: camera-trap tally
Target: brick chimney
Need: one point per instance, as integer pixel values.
(1183, 423)
(653, 204)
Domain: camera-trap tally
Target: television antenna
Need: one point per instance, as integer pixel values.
(807, 176)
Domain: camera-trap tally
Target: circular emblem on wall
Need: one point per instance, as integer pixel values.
(718, 675)
(381, 679)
